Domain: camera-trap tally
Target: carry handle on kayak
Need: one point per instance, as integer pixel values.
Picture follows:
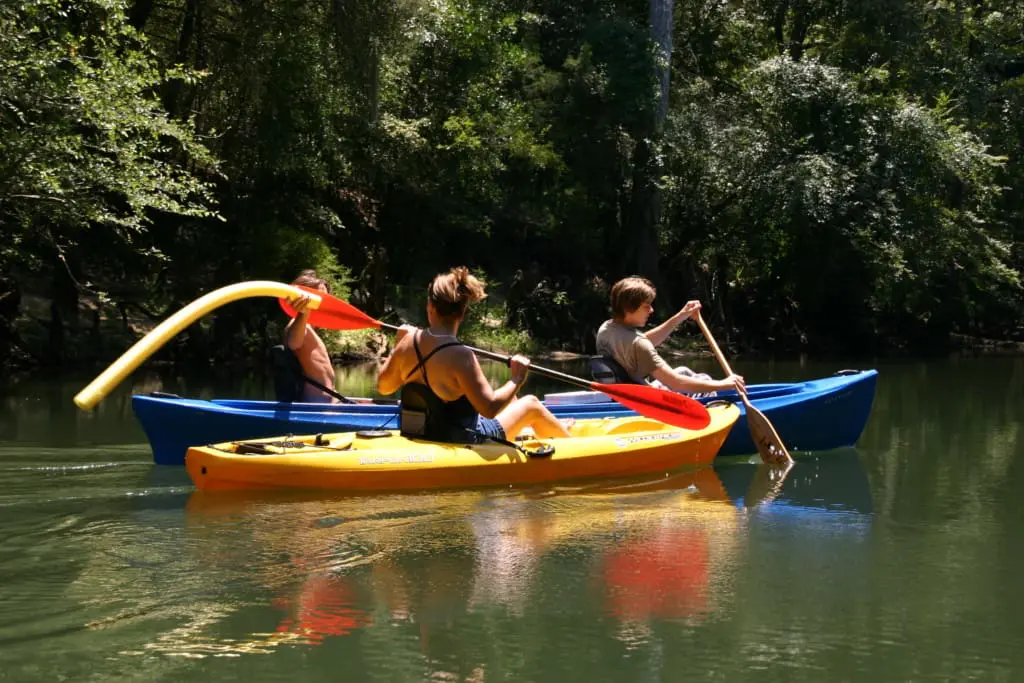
(658, 404)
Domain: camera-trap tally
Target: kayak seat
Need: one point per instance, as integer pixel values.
(289, 379)
(606, 370)
(422, 415)
(287, 373)
(633, 425)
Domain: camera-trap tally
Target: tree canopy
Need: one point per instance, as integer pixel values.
(826, 176)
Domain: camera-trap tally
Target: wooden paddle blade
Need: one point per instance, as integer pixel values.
(658, 404)
(767, 484)
(769, 445)
(333, 313)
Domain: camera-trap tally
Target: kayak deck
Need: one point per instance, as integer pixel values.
(385, 460)
(812, 415)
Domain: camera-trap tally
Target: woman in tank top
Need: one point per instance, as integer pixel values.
(434, 358)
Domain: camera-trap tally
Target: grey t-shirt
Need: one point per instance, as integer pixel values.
(633, 351)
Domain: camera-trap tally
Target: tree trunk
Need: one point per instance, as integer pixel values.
(172, 89)
(645, 213)
(63, 311)
(646, 210)
(10, 306)
(138, 13)
(661, 32)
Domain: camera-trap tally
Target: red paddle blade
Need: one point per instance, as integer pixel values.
(659, 404)
(333, 314)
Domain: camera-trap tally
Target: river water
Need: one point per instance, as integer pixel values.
(897, 560)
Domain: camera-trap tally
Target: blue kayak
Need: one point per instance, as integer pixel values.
(816, 415)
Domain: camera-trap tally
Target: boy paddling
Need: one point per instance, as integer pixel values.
(620, 338)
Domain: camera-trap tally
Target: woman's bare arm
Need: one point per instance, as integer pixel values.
(482, 396)
(389, 379)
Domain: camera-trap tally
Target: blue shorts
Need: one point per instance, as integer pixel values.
(490, 428)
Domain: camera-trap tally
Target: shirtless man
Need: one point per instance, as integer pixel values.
(306, 344)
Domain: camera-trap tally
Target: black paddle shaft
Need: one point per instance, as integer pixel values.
(507, 360)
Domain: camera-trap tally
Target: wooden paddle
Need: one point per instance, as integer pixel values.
(769, 445)
(658, 404)
(766, 484)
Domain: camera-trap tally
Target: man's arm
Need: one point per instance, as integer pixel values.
(295, 330)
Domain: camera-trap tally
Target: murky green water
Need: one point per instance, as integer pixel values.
(899, 560)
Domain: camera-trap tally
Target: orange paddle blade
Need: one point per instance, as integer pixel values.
(658, 404)
(333, 313)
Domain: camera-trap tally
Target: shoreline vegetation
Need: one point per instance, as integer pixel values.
(826, 178)
(362, 347)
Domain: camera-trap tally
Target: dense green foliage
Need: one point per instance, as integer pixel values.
(829, 175)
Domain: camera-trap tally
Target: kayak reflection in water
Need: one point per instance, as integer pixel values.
(325, 605)
(648, 549)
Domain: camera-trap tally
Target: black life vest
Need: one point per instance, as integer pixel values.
(289, 379)
(287, 373)
(424, 415)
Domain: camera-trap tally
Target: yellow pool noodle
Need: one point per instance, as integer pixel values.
(97, 389)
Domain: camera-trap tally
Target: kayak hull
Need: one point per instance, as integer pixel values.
(816, 415)
(367, 461)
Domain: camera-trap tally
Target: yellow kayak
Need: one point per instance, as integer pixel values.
(385, 460)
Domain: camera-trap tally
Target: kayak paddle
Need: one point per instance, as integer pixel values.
(657, 404)
(769, 445)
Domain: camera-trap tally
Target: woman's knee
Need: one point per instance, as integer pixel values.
(532, 404)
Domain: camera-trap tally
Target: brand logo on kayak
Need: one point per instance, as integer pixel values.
(622, 442)
(396, 460)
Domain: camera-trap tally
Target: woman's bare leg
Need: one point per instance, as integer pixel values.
(528, 411)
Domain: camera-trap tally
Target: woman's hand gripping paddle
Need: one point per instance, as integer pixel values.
(657, 404)
(769, 445)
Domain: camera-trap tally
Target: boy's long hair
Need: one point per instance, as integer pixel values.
(629, 293)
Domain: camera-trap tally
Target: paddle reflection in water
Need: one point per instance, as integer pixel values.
(640, 522)
(324, 605)
(439, 567)
(675, 567)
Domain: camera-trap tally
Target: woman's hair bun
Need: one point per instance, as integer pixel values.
(451, 292)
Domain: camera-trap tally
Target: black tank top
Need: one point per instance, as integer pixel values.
(454, 417)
